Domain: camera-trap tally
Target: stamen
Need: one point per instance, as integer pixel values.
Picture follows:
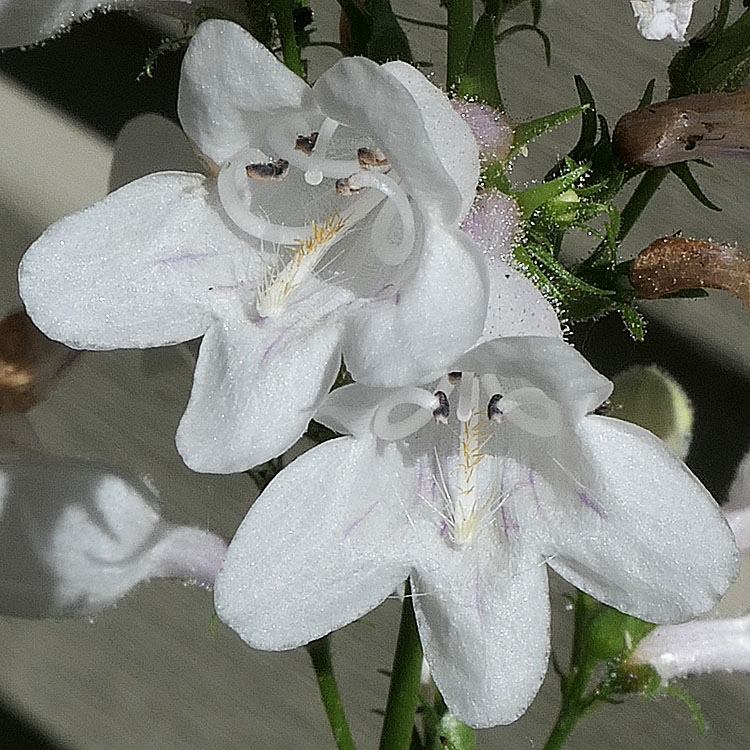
(390, 253)
(344, 187)
(443, 410)
(494, 412)
(272, 171)
(306, 143)
(236, 198)
(387, 430)
(515, 408)
(454, 377)
(314, 174)
(372, 158)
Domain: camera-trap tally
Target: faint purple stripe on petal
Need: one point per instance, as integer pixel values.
(183, 257)
(349, 529)
(509, 523)
(589, 503)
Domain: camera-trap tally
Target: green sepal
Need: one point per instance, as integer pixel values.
(479, 77)
(610, 633)
(633, 321)
(674, 691)
(452, 734)
(681, 170)
(495, 176)
(528, 131)
(531, 198)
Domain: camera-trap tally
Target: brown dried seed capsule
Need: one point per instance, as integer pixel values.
(690, 127)
(271, 171)
(306, 143)
(672, 264)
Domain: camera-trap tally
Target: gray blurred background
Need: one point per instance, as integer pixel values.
(154, 673)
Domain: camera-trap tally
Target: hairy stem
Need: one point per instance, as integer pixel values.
(460, 32)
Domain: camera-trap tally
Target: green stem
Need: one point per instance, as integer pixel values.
(460, 32)
(403, 695)
(282, 10)
(320, 654)
(648, 185)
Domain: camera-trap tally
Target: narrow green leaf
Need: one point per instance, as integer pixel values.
(479, 77)
(588, 121)
(692, 706)
(682, 171)
(648, 95)
(536, 12)
(527, 131)
(360, 25)
(530, 199)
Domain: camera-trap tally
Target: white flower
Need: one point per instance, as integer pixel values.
(335, 224)
(76, 536)
(658, 19)
(25, 22)
(469, 493)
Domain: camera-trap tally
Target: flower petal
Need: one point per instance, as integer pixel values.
(484, 626)
(255, 389)
(547, 362)
(450, 136)
(135, 269)
(361, 94)
(516, 307)
(626, 534)
(77, 536)
(320, 547)
(350, 409)
(436, 316)
(658, 19)
(230, 86)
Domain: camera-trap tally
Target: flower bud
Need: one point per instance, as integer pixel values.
(690, 127)
(673, 264)
(492, 130)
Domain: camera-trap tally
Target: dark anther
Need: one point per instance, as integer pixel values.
(443, 410)
(271, 171)
(370, 158)
(344, 187)
(493, 410)
(454, 378)
(306, 143)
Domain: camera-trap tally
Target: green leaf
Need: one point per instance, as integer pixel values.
(479, 77)
(682, 171)
(528, 27)
(360, 25)
(527, 131)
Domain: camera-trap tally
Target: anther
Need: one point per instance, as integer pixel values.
(344, 187)
(494, 412)
(454, 378)
(271, 171)
(443, 410)
(372, 158)
(306, 143)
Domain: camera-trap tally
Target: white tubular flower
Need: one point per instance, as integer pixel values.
(697, 647)
(25, 22)
(469, 486)
(659, 19)
(327, 228)
(76, 536)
